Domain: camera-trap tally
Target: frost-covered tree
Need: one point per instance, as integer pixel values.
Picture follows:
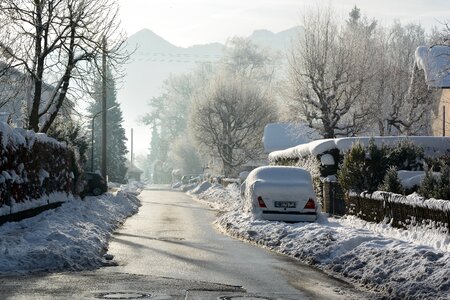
(242, 60)
(401, 98)
(245, 59)
(185, 156)
(330, 71)
(228, 118)
(169, 114)
(116, 139)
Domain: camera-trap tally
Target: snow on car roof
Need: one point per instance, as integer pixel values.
(279, 174)
(431, 145)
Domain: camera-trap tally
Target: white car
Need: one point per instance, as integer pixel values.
(279, 193)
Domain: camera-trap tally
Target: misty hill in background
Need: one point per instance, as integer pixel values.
(155, 59)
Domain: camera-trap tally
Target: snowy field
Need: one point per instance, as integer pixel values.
(393, 263)
(73, 236)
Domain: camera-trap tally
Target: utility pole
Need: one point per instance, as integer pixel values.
(104, 109)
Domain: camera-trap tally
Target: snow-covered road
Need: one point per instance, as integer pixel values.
(400, 264)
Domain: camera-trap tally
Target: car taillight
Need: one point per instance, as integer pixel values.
(310, 204)
(261, 202)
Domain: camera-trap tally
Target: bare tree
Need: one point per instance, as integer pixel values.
(330, 71)
(229, 118)
(58, 42)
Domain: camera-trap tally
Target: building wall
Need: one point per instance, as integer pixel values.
(438, 116)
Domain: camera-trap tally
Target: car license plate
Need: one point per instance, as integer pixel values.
(285, 204)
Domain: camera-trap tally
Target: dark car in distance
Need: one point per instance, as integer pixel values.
(95, 184)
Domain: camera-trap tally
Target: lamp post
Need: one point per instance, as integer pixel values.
(92, 134)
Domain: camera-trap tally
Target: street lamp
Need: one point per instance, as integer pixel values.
(92, 134)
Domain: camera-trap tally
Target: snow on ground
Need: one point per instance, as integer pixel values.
(73, 236)
(393, 263)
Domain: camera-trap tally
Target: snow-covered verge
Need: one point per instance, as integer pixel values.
(393, 263)
(73, 236)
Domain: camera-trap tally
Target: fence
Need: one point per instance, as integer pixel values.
(400, 211)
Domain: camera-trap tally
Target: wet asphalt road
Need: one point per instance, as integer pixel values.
(171, 250)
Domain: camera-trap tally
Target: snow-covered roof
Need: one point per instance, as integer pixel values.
(279, 136)
(435, 62)
(431, 145)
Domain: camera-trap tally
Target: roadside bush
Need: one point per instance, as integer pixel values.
(365, 169)
(391, 182)
(349, 176)
(405, 156)
(436, 186)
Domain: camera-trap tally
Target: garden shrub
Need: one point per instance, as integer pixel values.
(406, 156)
(349, 176)
(391, 182)
(365, 169)
(436, 186)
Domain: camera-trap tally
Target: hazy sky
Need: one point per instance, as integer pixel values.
(189, 22)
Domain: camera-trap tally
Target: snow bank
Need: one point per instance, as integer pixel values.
(432, 145)
(200, 188)
(220, 198)
(394, 263)
(73, 236)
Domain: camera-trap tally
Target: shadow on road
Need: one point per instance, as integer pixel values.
(179, 205)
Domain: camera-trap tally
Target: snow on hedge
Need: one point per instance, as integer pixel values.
(73, 236)
(33, 167)
(432, 145)
(394, 263)
(20, 136)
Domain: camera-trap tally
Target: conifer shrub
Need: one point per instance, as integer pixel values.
(349, 176)
(365, 169)
(405, 155)
(391, 182)
(436, 186)
(429, 184)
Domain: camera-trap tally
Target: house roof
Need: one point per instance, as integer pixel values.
(280, 136)
(435, 62)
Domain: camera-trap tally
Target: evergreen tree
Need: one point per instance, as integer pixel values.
(115, 137)
(429, 184)
(391, 182)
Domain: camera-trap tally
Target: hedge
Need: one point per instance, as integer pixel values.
(32, 166)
